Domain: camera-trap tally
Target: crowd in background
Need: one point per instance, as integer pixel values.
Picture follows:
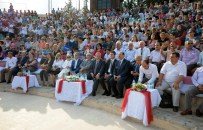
(140, 37)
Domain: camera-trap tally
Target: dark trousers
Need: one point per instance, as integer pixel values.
(3, 72)
(159, 65)
(104, 81)
(117, 86)
(95, 82)
(44, 75)
(190, 68)
(191, 93)
(13, 73)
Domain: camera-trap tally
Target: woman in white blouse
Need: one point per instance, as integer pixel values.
(66, 66)
(56, 68)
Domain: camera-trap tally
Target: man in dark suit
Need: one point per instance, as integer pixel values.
(134, 71)
(96, 71)
(75, 65)
(121, 74)
(108, 74)
(20, 63)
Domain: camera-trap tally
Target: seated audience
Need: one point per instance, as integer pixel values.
(22, 60)
(66, 66)
(108, 74)
(143, 51)
(10, 64)
(86, 64)
(156, 57)
(150, 72)
(171, 76)
(32, 63)
(197, 80)
(96, 72)
(189, 55)
(46, 68)
(120, 75)
(56, 68)
(135, 68)
(75, 65)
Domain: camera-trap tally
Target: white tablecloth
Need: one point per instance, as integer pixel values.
(136, 107)
(21, 82)
(72, 91)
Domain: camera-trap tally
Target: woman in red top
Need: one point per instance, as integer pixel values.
(99, 49)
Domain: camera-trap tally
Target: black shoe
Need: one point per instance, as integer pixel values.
(8, 82)
(108, 93)
(118, 97)
(175, 109)
(3, 81)
(105, 92)
(198, 113)
(93, 94)
(113, 95)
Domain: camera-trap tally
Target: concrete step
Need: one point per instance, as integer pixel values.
(163, 118)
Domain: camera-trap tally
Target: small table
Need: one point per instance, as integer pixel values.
(136, 106)
(20, 81)
(72, 91)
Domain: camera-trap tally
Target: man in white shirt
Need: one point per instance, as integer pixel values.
(156, 57)
(149, 70)
(171, 76)
(143, 51)
(130, 52)
(197, 80)
(125, 43)
(10, 64)
(28, 44)
(118, 49)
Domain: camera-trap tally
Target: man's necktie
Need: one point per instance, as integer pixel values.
(95, 69)
(141, 51)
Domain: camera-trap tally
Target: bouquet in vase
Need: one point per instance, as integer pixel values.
(139, 87)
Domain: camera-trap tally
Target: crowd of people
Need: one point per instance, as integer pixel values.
(159, 45)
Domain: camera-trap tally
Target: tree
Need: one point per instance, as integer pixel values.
(129, 4)
(69, 12)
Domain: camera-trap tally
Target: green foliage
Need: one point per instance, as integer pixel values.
(129, 4)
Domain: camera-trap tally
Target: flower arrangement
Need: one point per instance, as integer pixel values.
(139, 87)
(21, 74)
(72, 78)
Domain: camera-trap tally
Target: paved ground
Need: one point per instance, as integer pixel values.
(26, 112)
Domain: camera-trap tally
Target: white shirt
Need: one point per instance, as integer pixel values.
(8, 43)
(197, 78)
(130, 54)
(106, 56)
(151, 73)
(171, 72)
(24, 31)
(76, 61)
(66, 64)
(136, 45)
(125, 45)
(111, 64)
(118, 51)
(28, 45)
(145, 53)
(11, 62)
(156, 56)
(58, 63)
(81, 46)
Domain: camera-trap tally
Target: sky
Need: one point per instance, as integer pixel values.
(41, 6)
